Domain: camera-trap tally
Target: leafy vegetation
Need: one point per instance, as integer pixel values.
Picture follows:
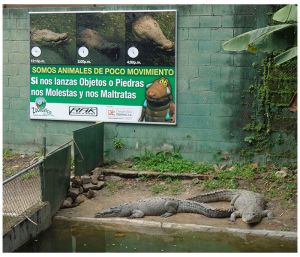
(30, 174)
(118, 143)
(159, 188)
(169, 185)
(271, 131)
(7, 153)
(168, 162)
(251, 176)
(114, 186)
(280, 37)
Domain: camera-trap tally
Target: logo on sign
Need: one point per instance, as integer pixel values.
(40, 103)
(83, 111)
(111, 112)
(40, 109)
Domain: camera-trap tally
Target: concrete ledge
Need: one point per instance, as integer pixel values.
(186, 227)
(24, 230)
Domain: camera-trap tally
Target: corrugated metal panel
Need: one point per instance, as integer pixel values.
(88, 148)
(55, 177)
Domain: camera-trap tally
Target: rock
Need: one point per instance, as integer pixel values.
(101, 177)
(68, 203)
(74, 192)
(90, 194)
(91, 186)
(80, 199)
(254, 165)
(97, 171)
(94, 179)
(216, 168)
(232, 168)
(195, 181)
(282, 173)
(76, 181)
(85, 179)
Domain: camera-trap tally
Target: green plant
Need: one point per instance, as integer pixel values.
(275, 85)
(280, 38)
(8, 153)
(269, 124)
(9, 172)
(168, 162)
(31, 174)
(174, 185)
(114, 186)
(220, 183)
(158, 188)
(118, 143)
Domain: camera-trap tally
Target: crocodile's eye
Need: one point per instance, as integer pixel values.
(164, 82)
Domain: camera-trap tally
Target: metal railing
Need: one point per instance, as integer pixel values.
(48, 179)
(21, 192)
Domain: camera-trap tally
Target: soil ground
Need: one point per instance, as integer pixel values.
(120, 190)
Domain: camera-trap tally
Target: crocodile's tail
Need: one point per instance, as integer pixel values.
(214, 196)
(186, 206)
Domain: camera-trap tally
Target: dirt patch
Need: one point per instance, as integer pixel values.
(13, 163)
(120, 190)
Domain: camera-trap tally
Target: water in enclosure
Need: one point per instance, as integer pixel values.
(66, 236)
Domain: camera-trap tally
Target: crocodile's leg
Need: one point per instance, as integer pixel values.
(235, 215)
(167, 214)
(136, 214)
(171, 208)
(232, 202)
(267, 213)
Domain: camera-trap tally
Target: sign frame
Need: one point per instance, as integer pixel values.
(41, 109)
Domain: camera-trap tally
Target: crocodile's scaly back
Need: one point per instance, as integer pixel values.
(215, 196)
(164, 206)
(186, 206)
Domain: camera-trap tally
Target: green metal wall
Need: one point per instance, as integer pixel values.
(88, 148)
(211, 84)
(55, 177)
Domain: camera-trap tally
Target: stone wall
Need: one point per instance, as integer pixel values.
(210, 85)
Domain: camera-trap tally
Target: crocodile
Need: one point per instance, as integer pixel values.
(146, 28)
(161, 206)
(48, 37)
(92, 39)
(248, 205)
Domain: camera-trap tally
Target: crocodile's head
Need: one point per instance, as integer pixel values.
(48, 37)
(117, 211)
(251, 217)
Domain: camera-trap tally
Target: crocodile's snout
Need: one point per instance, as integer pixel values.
(111, 212)
(146, 28)
(251, 218)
